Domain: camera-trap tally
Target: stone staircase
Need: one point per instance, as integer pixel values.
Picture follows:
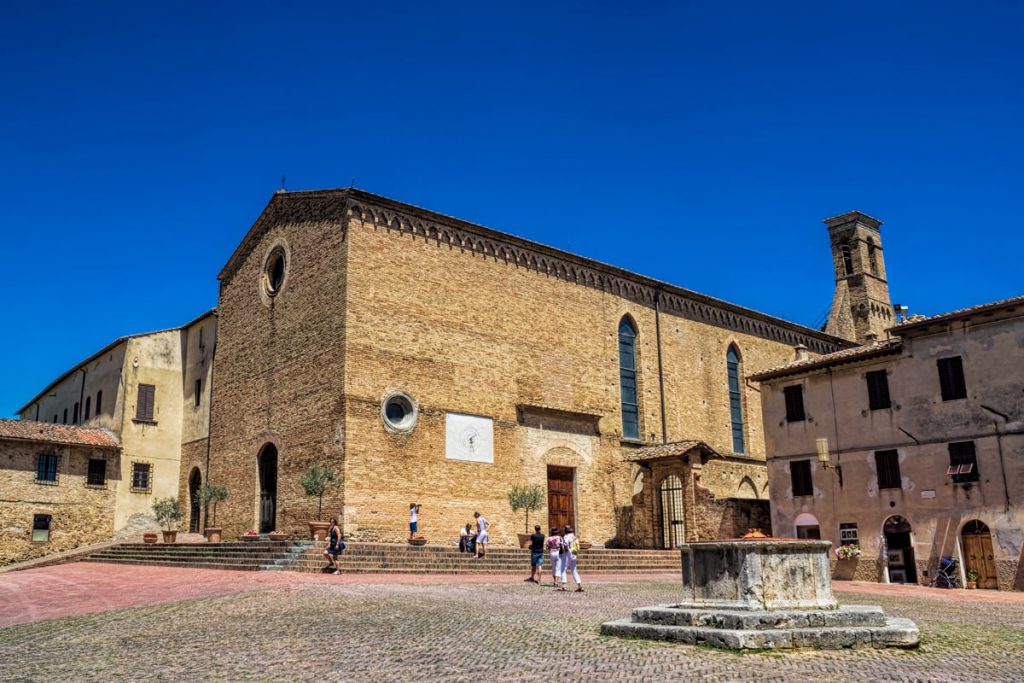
(386, 558)
(259, 555)
(372, 558)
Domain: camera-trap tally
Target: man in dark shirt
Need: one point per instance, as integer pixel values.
(536, 554)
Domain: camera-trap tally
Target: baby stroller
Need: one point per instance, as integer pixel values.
(947, 575)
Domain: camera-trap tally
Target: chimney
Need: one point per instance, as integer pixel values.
(801, 352)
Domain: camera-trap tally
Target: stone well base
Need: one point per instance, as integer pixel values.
(845, 627)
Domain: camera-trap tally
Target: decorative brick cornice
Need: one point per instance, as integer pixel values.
(454, 233)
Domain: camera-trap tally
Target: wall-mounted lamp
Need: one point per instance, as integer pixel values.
(824, 457)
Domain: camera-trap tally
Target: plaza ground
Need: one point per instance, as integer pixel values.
(106, 622)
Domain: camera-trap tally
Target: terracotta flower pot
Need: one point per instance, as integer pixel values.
(277, 536)
(249, 538)
(524, 540)
(149, 537)
(972, 585)
(212, 534)
(586, 545)
(419, 540)
(170, 536)
(318, 530)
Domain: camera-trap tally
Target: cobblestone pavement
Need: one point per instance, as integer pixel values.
(463, 631)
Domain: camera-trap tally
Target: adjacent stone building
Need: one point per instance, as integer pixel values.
(58, 487)
(152, 391)
(911, 446)
(433, 360)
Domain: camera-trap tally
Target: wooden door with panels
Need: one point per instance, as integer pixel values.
(561, 497)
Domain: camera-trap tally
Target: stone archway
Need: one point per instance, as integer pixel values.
(195, 482)
(978, 554)
(267, 463)
(899, 550)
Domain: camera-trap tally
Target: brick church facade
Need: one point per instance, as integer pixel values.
(433, 360)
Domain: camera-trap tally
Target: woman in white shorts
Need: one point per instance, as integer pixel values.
(554, 547)
(571, 545)
(482, 525)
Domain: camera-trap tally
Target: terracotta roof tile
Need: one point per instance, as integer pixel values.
(668, 450)
(69, 435)
(881, 348)
(918, 320)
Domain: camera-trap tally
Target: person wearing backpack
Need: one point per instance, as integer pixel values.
(570, 548)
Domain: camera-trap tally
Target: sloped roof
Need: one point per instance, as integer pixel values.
(65, 435)
(108, 347)
(669, 450)
(917, 321)
(882, 348)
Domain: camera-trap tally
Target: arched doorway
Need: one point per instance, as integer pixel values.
(268, 488)
(899, 551)
(671, 512)
(195, 481)
(978, 555)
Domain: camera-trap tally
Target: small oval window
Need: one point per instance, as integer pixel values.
(275, 271)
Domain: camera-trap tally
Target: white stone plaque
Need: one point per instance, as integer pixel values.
(469, 437)
(928, 493)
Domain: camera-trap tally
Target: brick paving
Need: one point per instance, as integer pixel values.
(290, 626)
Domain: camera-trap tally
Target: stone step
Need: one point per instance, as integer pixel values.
(188, 565)
(902, 633)
(846, 616)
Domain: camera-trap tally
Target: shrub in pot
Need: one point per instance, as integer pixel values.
(168, 515)
(528, 498)
(972, 578)
(315, 481)
(212, 493)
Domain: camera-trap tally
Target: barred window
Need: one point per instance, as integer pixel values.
(141, 479)
(97, 475)
(46, 468)
(41, 528)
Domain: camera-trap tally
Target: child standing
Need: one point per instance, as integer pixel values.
(554, 546)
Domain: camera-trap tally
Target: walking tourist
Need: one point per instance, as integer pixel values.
(334, 547)
(570, 547)
(482, 525)
(554, 546)
(414, 511)
(466, 537)
(536, 554)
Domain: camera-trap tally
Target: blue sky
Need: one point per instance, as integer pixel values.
(698, 143)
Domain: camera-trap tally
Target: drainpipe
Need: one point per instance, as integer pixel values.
(661, 376)
(999, 446)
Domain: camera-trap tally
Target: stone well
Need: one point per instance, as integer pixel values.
(763, 593)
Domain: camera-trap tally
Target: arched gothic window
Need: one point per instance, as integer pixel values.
(732, 361)
(844, 249)
(627, 380)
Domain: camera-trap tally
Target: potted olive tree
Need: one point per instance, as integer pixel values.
(168, 515)
(212, 493)
(315, 481)
(528, 498)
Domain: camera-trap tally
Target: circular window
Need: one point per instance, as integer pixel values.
(274, 273)
(398, 412)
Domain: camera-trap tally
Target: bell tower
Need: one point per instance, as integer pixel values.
(861, 310)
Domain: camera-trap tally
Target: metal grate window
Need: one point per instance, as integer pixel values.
(671, 512)
(97, 475)
(142, 480)
(41, 528)
(46, 468)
